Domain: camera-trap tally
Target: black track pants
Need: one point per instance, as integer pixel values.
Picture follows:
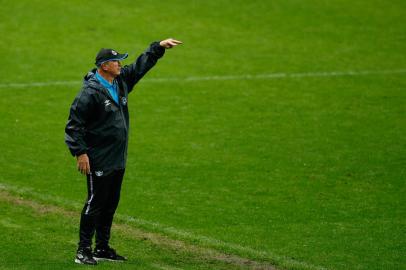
(103, 195)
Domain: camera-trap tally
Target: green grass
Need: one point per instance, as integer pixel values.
(300, 172)
(44, 242)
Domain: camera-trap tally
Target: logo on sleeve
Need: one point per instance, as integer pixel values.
(107, 103)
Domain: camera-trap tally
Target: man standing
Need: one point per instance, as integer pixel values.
(97, 134)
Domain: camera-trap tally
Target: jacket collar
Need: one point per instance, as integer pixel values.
(91, 81)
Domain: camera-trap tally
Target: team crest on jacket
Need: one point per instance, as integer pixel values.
(124, 100)
(99, 173)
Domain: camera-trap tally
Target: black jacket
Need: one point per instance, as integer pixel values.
(97, 125)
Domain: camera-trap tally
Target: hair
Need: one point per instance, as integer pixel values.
(100, 65)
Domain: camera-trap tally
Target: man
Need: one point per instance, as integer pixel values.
(97, 134)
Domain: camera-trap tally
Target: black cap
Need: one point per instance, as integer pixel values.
(105, 55)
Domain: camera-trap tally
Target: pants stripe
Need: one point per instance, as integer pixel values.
(91, 194)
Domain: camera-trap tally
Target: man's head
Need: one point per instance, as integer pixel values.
(108, 61)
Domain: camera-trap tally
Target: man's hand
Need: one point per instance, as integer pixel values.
(83, 164)
(169, 43)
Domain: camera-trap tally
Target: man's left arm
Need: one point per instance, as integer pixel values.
(131, 74)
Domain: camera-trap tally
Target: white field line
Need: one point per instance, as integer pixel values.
(267, 76)
(166, 229)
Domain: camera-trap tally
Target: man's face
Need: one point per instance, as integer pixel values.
(112, 67)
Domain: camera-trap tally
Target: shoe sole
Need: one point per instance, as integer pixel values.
(80, 262)
(106, 259)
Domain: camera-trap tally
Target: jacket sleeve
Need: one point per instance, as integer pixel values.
(131, 74)
(75, 129)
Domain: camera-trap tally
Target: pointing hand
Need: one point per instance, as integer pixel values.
(169, 43)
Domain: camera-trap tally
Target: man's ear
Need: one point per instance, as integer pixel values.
(104, 66)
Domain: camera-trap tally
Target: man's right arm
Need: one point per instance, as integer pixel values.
(135, 71)
(132, 73)
(75, 130)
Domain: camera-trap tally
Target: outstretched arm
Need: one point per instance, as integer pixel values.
(131, 74)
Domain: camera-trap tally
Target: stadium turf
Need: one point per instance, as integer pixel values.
(274, 135)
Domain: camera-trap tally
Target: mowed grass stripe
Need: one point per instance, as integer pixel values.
(268, 76)
(138, 234)
(40, 202)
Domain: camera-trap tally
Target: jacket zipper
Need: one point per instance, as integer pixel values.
(124, 120)
(126, 129)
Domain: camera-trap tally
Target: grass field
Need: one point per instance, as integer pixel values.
(274, 138)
